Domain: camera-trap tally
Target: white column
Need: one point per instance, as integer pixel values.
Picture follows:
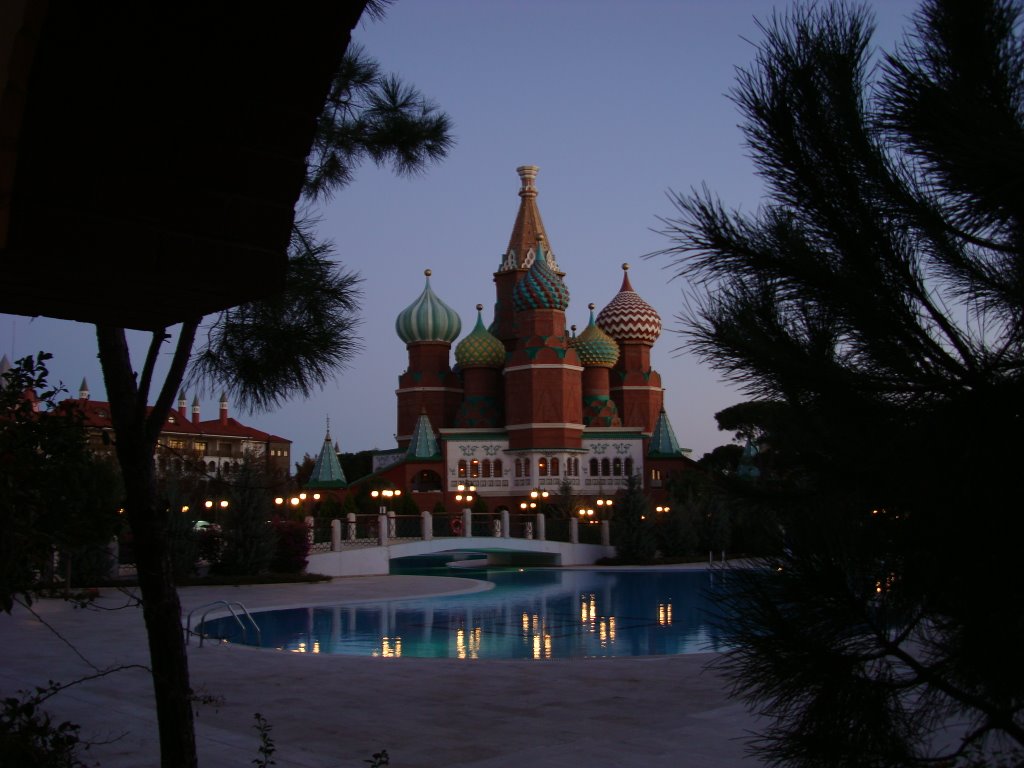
(574, 531)
(467, 522)
(350, 520)
(427, 526)
(541, 531)
(335, 535)
(606, 532)
(505, 532)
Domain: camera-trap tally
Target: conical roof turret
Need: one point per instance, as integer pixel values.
(627, 317)
(428, 319)
(480, 348)
(423, 444)
(327, 471)
(528, 228)
(663, 439)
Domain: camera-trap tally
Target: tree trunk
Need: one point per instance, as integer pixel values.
(136, 433)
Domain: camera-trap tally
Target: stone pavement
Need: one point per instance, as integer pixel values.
(336, 711)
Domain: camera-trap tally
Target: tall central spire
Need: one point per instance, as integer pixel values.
(529, 227)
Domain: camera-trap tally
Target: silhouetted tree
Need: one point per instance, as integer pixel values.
(56, 497)
(261, 353)
(878, 297)
(632, 528)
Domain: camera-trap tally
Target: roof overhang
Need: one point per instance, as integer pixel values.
(151, 155)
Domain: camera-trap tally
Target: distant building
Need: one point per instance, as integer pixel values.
(218, 445)
(529, 405)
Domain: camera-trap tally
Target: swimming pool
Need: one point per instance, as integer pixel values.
(532, 613)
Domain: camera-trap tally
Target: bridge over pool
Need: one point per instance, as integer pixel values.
(366, 544)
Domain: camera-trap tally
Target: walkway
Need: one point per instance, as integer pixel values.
(336, 711)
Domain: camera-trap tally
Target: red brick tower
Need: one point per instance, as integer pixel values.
(543, 389)
(428, 327)
(635, 386)
(480, 357)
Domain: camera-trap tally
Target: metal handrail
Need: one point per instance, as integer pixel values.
(230, 606)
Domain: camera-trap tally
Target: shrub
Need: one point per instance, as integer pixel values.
(292, 546)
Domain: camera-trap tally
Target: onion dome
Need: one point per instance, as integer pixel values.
(542, 288)
(628, 317)
(480, 349)
(428, 319)
(594, 346)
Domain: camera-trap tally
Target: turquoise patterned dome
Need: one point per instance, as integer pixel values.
(595, 347)
(480, 349)
(428, 319)
(542, 288)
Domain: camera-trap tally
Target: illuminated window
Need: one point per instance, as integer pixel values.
(617, 467)
(474, 468)
(462, 467)
(655, 474)
(200, 447)
(542, 467)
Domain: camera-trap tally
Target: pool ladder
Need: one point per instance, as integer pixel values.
(230, 606)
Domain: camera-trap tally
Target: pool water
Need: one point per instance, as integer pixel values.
(531, 613)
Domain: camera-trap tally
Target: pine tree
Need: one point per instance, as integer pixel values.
(876, 301)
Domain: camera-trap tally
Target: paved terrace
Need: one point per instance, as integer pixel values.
(336, 711)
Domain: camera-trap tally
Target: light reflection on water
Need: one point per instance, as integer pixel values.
(537, 613)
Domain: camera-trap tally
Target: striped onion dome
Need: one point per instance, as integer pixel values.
(480, 348)
(595, 347)
(628, 317)
(428, 319)
(542, 288)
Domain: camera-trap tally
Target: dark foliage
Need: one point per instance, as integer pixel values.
(292, 546)
(875, 301)
(55, 496)
(632, 526)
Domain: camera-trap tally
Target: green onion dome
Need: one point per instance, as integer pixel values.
(595, 347)
(628, 317)
(428, 319)
(480, 349)
(542, 288)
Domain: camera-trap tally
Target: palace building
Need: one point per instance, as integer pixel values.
(529, 404)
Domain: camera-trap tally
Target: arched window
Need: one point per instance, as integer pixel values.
(497, 468)
(606, 468)
(655, 474)
(542, 467)
(629, 467)
(617, 467)
(519, 467)
(593, 468)
(554, 467)
(426, 480)
(474, 468)
(462, 467)
(487, 468)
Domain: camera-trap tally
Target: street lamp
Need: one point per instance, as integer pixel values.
(604, 505)
(535, 494)
(587, 515)
(662, 510)
(465, 494)
(385, 496)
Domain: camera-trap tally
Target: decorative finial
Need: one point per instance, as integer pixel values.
(591, 306)
(428, 273)
(573, 329)
(625, 266)
(479, 307)
(527, 173)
